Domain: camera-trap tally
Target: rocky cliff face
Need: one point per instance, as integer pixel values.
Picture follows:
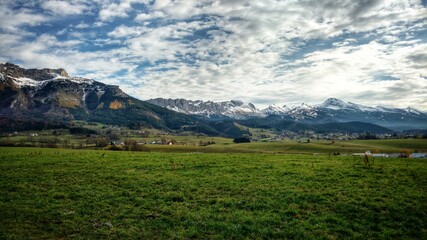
(48, 92)
(15, 71)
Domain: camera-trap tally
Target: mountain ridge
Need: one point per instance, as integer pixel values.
(331, 110)
(53, 96)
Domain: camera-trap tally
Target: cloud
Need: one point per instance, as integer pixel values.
(123, 31)
(147, 16)
(12, 20)
(64, 7)
(250, 42)
(348, 70)
(261, 51)
(82, 25)
(418, 60)
(161, 43)
(114, 10)
(120, 9)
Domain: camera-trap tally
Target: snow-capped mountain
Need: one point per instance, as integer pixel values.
(50, 92)
(336, 104)
(232, 109)
(275, 110)
(52, 96)
(303, 111)
(332, 110)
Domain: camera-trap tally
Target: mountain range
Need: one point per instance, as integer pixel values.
(51, 96)
(332, 110)
(30, 97)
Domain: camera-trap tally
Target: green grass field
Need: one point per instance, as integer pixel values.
(57, 193)
(321, 147)
(193, 143)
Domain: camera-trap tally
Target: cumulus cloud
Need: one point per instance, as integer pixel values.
(249, 49)
(120, 9)
(64, 7)
(114, 10)
(12, 20)
(147, 16)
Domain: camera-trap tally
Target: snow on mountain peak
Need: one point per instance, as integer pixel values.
(331, 109)
(275, 110)
(23, 81)
(81, 80)
(304, 106)
(36, 77)
(233, 109)
(412, 110)
(335, 104)
(29, 82)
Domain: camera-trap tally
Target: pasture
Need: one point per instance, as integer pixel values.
(93, 194)
(192, 143)
(288, 146)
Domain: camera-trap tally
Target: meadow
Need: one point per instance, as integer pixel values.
(93, 194)
(195, 143)
(294, 147)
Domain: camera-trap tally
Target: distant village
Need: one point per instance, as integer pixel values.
(305, 135)
(116, 135)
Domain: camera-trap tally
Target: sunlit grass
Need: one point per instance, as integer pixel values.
(55, 193)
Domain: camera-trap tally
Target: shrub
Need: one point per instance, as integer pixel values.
(132, 145)
(82, 131)
(405, 153)
(101, 142)
(244, 139)
(114, 148)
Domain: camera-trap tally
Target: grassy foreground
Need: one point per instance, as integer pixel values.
(56, 193)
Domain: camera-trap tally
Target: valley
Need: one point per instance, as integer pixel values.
(213, 119)
(48, 108)
(105, 137)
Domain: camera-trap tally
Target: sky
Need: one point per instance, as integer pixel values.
(371, 52)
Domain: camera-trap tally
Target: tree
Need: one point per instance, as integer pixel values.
(101, 142)
(113, 136)
(130, 145)
(244, 139)
(82, 131)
